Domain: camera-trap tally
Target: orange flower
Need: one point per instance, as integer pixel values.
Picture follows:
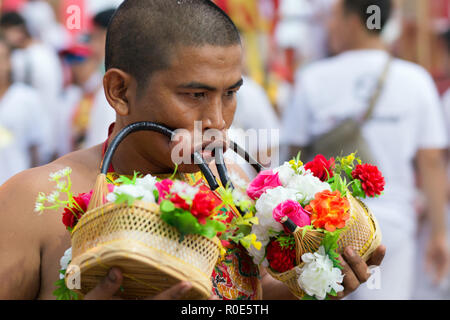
(329, 210)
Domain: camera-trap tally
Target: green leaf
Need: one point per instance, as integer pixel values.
(167, 206)
(308, 297)
(62, 292)
(286, 241)
(357, 190)
(126, 198)
(211, 228)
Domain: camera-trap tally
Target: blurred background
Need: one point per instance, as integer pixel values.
(52, 102)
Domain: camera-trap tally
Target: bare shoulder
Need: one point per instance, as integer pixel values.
(24, 234)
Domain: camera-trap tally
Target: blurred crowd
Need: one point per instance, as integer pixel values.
(309, 65)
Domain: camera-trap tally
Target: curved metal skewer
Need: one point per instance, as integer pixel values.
(150, 126)
(222, 168)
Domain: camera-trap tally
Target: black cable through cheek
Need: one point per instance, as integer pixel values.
(150, 126)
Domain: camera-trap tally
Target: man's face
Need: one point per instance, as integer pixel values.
(200, 85)
(339, 28)
(15, 36)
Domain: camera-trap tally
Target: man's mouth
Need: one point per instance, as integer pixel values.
(208, 149)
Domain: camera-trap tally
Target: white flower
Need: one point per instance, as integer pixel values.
(239, 196)
(237, 181)
(55, 176)
(184, 190)
(148, 182)
(285, 173)
(66, 171)
(262, 236)
(318, 276)
(268, 202)
(39, 207)
(41, 198)
(65, 260)
(307, 186)
(137, 192)
(61, 185)
(53, 197)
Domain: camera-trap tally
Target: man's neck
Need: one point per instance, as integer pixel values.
(128, 160)
(367, 42)
(27, 43)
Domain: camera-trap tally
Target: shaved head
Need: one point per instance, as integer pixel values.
(143, 34)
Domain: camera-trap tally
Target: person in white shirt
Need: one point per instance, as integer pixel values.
(256, 126)
(407, 126)
(22, 122)
(38, 66)
(102, 115)
(42, 24)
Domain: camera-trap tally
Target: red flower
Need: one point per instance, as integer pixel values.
(202, 206)
(372, 180)
(73, 214)
(179, 202)
(280, 259)
(321, 167)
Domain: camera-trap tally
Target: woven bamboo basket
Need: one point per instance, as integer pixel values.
(146, 249)
(362, 233)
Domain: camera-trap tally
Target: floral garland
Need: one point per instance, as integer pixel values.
(188, 209)
(313, 197)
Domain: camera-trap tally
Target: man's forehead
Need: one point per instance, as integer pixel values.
(186, 56)
(206, 64)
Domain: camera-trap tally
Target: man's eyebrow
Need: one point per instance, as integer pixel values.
(237, 84)
(196, 85)
(202, 86)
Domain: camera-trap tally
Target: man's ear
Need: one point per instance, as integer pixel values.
(118, 86)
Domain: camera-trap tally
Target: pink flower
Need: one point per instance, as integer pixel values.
(264, 181)
(86, 197)
(164, 189)
(294, 211)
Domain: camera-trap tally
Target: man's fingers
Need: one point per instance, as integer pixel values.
(377, 256)
(107, 287)
(357, 264)
(174, 293)
(351, 282)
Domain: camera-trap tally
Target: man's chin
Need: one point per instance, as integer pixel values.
(190, 168)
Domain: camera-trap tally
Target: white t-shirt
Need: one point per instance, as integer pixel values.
(102, 115)
(22, 115)
(39, 67)
(408, 117)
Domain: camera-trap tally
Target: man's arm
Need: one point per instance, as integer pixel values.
(431, 167)
(19, 241)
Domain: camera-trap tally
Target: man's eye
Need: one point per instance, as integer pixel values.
(198, 95)
(230, 93)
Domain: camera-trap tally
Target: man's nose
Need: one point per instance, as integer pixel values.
(213, 115)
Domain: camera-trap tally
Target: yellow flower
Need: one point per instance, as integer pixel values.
(295, 165)
(255, 243)
(348, 160)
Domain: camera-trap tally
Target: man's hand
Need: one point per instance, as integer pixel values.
(108, 287)
(356, 271)
(437, 257)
